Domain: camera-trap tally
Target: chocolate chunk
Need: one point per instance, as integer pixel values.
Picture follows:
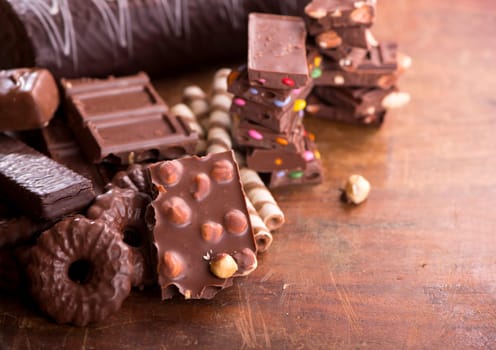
(197, 248)
(80, 271)
(39, 186)
(276, 51)
(28, 98)
(268, 160)
(320, 109)
(311, 175)
(123, 120)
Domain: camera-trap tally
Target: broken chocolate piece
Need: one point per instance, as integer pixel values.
(276, 51)
(38, 185)
(189, 238)
(28, 98)
(123, 120)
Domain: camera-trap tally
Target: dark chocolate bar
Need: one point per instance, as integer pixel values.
(320, 109)
(97, 38)
(250, 134)
(38, 185)
(311, 175)
(123, 120)
(276, 51)
(28, 98)
(361, 101)
(199, 250)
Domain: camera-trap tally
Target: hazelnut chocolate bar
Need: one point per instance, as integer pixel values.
(359, 37)
(202, 230)
(276, 51)
(38, 185)
(320, 109)
(123, 120)
(28, 98)
(327, 14)
(359, 100)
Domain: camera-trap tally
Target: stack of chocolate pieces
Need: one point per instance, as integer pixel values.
(269, 102)
(354, 75)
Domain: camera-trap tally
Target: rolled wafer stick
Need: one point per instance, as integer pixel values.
(197, 100)
(187, 114)
(263, 237)
(218, 140)
(262, 199)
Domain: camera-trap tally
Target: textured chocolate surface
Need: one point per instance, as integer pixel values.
(37, 185)
(28, 98)
(320, 109)
(97, 38)
(123, 210)
(79, 271)
(276, 51)
(123, 120)
(200, 216)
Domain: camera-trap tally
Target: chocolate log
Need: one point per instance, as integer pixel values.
(97, 38)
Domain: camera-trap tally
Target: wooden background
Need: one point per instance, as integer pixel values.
(412, 268)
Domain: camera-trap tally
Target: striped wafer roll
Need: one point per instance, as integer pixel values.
(263, 237)
(197, 100)
(187, 114)
(262, 199)
(218, 140)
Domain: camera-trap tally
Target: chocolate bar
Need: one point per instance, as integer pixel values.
(61, 146)
(97, 38)
(268, 160)
(28, 98)
(320, 109)
(349, 36)
(311, 175)
(276, 51)
(328, 14)
(123, 120)
(250, 134)
(199, 250)
(360, 100)
(38, 185)
(379, 68)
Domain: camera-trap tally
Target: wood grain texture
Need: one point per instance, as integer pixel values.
(414, 267)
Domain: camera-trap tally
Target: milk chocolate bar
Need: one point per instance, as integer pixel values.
(328, 14)
(198, 250)
(28, 98)
(250, 134)
(311, 175)
(361, 101)
(37, 185)
(268, 160)
(62, 147)
(320, 109)
(378, 69)
(276, 51)
(123, 120)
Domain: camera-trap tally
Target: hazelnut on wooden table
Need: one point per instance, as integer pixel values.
(357, 189)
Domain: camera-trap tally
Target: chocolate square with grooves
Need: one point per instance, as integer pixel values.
(276, 51)
(199, 211)
(38, 185)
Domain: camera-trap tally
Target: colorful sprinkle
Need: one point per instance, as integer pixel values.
(317, 154)
(279, 103)
(317, 61)
(301, 114)
(316, 73)
(281, 173)
(282, 141)
(299, 105)
(296, 91)
(239, 101)
(310, 135)
(288, 82)
(255, 135)
(253, 91)
(298, 174)
(278, 161)
(262, 81)
(308, 156)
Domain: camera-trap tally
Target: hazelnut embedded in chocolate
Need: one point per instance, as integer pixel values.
(222, 171)
(235, 222)
(362, 15)
(223, 265)
(171, 172)
(172, 264)
(202, 186)
(211, 231)
(328, 40)
(177, 211)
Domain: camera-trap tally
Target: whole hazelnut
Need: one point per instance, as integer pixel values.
(223, 265)
(357, 189)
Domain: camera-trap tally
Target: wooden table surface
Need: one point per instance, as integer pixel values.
(412, 268)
